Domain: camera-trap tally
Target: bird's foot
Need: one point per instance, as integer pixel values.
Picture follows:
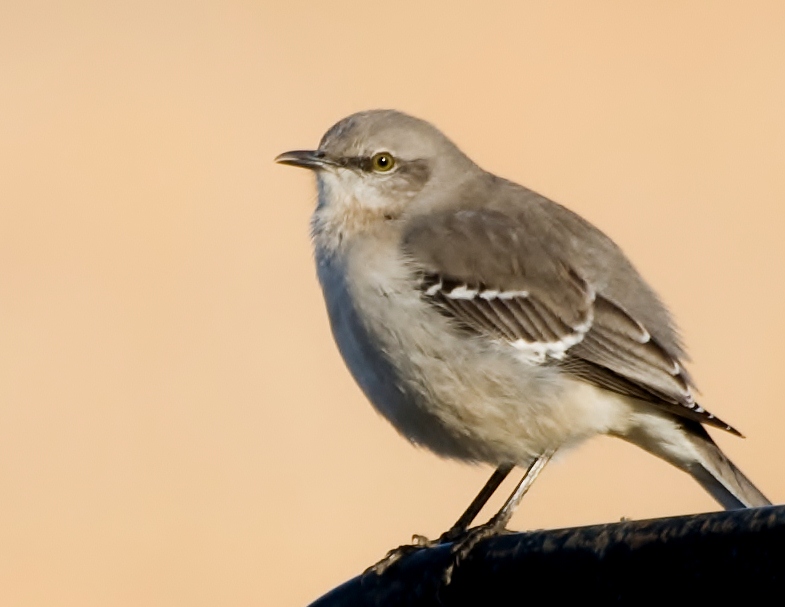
(466, 542)
(419, 542)
(463, 541)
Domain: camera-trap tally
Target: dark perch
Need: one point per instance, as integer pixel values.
(737, 555)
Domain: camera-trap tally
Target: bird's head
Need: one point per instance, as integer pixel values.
(374, 166)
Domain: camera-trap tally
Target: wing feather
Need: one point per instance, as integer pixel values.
(497, 279)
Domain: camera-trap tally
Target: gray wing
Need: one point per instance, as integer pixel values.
(497, 278)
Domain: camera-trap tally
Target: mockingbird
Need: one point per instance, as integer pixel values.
(490, 324)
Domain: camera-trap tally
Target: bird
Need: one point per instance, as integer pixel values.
(488, 323)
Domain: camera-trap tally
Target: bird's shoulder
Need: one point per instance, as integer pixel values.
(507, 263)
(509, 237)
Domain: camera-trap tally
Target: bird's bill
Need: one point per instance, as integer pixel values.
(308, 159)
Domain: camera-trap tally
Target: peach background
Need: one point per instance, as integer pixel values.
(176, 426)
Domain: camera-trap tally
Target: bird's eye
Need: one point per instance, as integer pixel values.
(382, 162)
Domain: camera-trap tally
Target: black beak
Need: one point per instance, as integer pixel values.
(308, 159)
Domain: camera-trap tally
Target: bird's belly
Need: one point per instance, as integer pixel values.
(459, 396)
(380, 380)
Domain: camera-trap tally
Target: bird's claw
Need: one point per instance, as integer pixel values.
(466, 542)
(419, 542)
(463, 542)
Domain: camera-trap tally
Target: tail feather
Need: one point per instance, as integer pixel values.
(687, 445)
(720, 477)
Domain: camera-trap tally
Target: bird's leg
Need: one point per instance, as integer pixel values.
(462, 524)
(457, 530)
(498, 522)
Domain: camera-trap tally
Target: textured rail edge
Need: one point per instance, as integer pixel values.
(736, 555)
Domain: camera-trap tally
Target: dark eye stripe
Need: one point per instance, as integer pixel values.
(363, 163)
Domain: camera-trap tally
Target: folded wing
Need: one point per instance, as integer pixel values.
(498, 280)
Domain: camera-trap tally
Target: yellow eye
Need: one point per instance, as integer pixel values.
(382, 162)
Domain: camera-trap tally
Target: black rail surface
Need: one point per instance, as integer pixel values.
(720, 557)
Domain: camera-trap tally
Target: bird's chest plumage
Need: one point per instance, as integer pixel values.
(455, 394)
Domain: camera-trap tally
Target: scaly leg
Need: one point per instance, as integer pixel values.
(457, 530)
(498, 522)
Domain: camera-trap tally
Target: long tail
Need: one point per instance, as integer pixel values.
(719, 476)
(687, 445)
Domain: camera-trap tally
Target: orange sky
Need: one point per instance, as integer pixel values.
(176, 426)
